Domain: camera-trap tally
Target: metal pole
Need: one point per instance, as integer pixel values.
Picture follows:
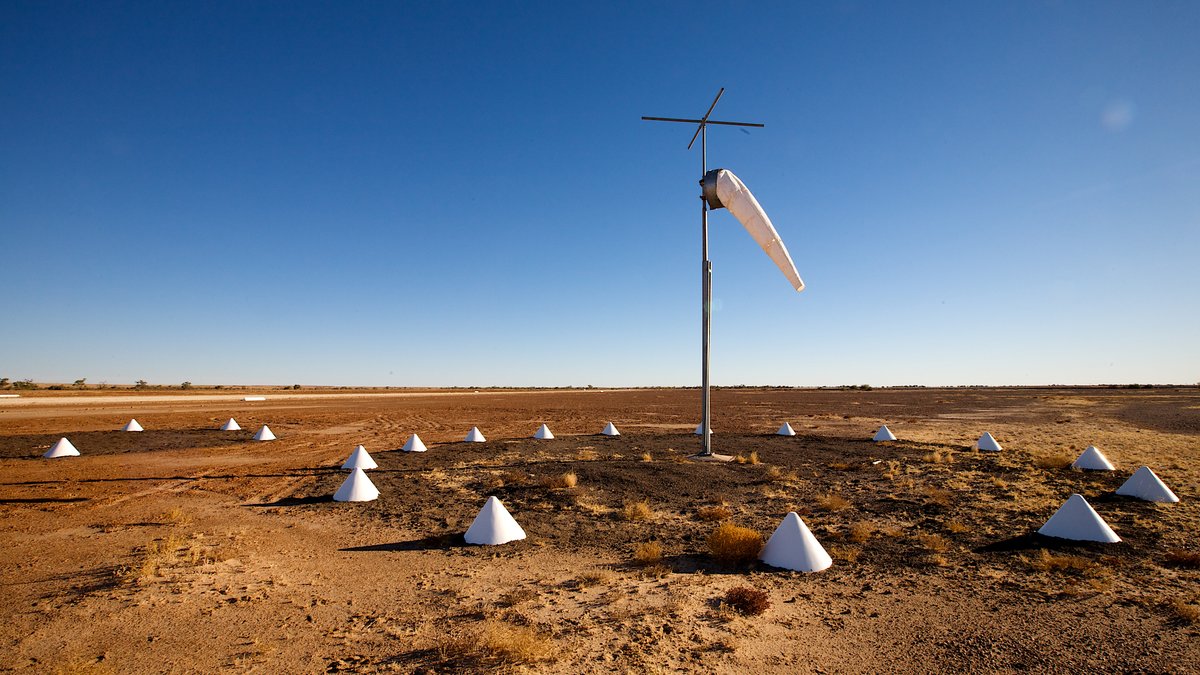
(706, 300)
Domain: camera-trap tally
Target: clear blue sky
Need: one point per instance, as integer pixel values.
(463, 193)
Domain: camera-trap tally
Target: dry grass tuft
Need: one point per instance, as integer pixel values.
(845, 553)
(753, 458)
(647, 553)
(176, 516)
(714, 513)
(646, 457)
(81, 667)
(937, 496)
(740, 459)
(939, 457)
(733, 544)
(841, 466)
(956, 527)
(1046, 561)
(594, 578)
(561, 482)
(999, 482)
(832, 502)
(587, 455)
(636, 511)
(747, 601)
(861, 532)
(499, 644)
(934, 543)
(514, 477)
(1053, 462)
(892, 470)
(1181, 558)
(1184, 611)
(773, 473)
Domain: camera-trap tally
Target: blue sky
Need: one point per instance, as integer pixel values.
(423, 194)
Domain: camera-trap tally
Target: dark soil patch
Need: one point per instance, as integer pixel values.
(119, 442)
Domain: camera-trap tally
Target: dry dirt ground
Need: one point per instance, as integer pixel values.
(185, 549)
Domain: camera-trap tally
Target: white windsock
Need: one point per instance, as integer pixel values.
(700, 429)
(360, 459)
(132, 425)
(723, 189)
(1143, 484)
(786, 430)
(414, 444)
(884, 434)
(475, 436)
(62, 448)
(1078, 521)
(1093, 460)
(610, 429)
(356, 488)
(494, 525)
(793, 547)
(264, 434)
(543, 433)
(987, 443)
(231, 425)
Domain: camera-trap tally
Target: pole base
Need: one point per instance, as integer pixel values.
(711, 458)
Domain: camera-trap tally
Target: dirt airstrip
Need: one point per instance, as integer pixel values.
(186, 549)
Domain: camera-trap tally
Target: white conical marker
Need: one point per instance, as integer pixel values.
(264, 434)
(414, 444)
(1093, 460)
(543, 433)
(1144, 484)
(475, 436)
(360, 459)
(786, 430)
(356, 488)
(1078, 521)
(987, 443)
(610, 429)
(793, 547)
(231, 425)
(884, 434)
(132, 425)
(62, 448)
(494, 525)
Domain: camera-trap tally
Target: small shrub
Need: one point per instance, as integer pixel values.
(1184, 611)
(636, 511)
(646, 457)
(733, 544)
(841, 466)
(714, 513)
(939, 457)
(1181, 558)
(832, 502)
(594, 578)
(937, 496)
(176, 516)
(774, 473)
(753, 458)
(935, 543)
(1046, 561)
(893, 469)
(1053, 462)
(561, 482)
(845, 553)
(747, 601)
(587, 455)
(860, 532)
(740, 459)
(499, 643)
(956, 527)
(648, 553)
(999, 482)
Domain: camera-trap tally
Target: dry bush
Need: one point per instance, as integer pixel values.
(516, 597)
(747, 601)
(647, 457)
(956, 527)
(937, 496)
(841, 466)
(498, 643)
(714, 513)
(1053, 462)
(939, 457)
(753, 458)
(176, 516)
(935, 543)
(891, 531)
(587, 455)
(773, 473)
(740, 459)
(999, 482)
(1181, 558)
(1184, 611)
(593, 578)
(893, 469)
(733, 544)
(647, 553)
(832, 502)
(636, 511)
(1046, 561)
(845, 553)
(514, 477)
(937, 560)
(564, 481)
(860, 532)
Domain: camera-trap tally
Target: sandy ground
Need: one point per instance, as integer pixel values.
(185, 549)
